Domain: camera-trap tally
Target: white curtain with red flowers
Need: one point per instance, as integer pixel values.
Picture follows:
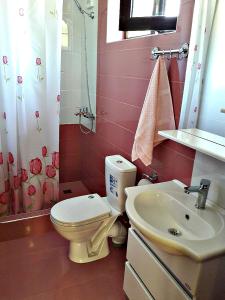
(203, 17)
(30, 52)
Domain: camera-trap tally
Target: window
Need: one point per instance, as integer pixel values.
(113, 14)
(148, 15)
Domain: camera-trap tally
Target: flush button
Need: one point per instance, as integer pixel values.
(119, 161)
(91, 197)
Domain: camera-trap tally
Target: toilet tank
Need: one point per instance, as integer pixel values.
(119, 174)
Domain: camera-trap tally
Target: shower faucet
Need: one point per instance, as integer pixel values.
(84, 112)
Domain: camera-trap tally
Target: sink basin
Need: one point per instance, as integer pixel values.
(167, 216)
(163, 212)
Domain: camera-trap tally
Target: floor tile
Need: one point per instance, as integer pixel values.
(38, 268)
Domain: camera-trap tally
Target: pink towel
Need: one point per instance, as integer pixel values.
(157, 114)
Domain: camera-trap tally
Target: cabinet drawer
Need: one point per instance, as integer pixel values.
(155, 277)
(133, 286)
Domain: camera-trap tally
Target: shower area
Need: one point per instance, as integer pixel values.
(78, 93)
(47, 103)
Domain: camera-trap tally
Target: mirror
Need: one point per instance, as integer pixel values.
(211, 107)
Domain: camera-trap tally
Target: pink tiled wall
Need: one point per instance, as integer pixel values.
(124, 70)
(70, 153)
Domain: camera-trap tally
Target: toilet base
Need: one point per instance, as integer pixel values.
(78, 252)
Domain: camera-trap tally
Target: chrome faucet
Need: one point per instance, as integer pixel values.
(84, 112)
(202, 191)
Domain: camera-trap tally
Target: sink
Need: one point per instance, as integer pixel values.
(167, 216)
(162, 212)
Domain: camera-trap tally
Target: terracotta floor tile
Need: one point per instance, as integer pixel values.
(43, 296)
(23, 247)
(99, 288)
(38, 268)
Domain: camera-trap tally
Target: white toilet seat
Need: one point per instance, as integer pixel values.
(80, 211)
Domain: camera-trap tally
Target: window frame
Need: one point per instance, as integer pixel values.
(154, 23)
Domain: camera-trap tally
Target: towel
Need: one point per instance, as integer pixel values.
(157, 114)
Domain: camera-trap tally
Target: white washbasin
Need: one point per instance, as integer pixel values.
(164, 214)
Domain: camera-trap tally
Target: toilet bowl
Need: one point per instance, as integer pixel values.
(87, 221)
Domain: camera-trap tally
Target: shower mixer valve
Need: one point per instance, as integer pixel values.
(84, 112)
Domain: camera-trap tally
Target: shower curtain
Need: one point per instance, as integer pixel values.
(30, 52)
(202, 24)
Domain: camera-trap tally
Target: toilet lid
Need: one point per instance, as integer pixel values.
(80, 210)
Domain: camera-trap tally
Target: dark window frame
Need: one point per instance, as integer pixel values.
(155, 23)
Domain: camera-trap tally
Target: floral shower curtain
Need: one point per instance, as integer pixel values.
(30, 52)
(202, 24)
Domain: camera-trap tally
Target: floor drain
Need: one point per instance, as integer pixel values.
(69, 191)
(174, 231)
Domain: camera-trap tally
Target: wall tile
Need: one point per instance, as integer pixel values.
(120, 113)
(114, 63)
(70, 153)
(67, 131)
(70, 99)
(115, 134)
(214, 170)
(69, 168)
(124, 89)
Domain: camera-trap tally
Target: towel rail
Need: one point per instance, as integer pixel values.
(181, 52)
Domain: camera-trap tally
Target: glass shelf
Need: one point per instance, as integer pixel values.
(199, 140)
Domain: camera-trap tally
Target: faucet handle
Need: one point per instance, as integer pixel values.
(205, 183)
(152, 177)
(186, 190)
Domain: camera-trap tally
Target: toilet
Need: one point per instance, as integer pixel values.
(87, 221)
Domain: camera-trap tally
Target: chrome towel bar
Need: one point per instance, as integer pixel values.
(181, 53)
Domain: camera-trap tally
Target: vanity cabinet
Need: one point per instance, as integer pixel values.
(151, 273)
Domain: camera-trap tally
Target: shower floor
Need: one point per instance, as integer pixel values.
(72, 189)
